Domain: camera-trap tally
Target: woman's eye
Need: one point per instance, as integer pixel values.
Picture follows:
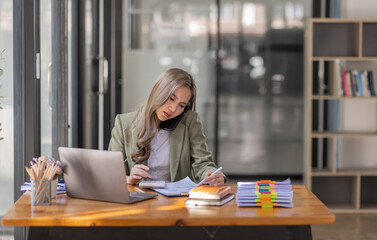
(182, 106)
(171, 99)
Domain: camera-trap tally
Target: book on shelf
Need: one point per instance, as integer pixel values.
(349, 83)
(195, 202)
(363, 75)
(354, 84)
(346, 83)
(371, 83)
(209, 192)
(357, 83)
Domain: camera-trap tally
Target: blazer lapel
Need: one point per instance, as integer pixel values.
(176, 144)
(134, 147)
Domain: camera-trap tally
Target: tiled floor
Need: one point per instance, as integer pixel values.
(348, 227)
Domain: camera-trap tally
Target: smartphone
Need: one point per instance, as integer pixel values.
(171, 124)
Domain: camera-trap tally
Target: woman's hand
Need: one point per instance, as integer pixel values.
(216, 179)
(138, 172)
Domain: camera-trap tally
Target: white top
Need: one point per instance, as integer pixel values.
(159, 160)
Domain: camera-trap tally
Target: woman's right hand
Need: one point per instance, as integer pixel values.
(138, 172)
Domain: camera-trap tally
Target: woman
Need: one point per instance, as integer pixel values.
(157, 144)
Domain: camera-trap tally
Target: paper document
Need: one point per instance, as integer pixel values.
(275, 193)
(177, 189)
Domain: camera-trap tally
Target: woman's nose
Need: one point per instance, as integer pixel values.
(173, 107)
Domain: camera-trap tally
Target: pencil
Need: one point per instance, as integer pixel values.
(216, 171)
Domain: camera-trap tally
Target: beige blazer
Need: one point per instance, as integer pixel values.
(189, 154)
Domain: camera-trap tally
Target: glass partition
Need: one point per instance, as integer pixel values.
(46, 77)
(6, 106)
(261, 87)
(165, 34)
(260, 82)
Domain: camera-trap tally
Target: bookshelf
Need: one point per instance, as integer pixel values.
(334, 134)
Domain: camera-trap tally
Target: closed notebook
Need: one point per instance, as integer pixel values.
(209, 192)
(193, 202)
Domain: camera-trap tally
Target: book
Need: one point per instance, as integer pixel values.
(357, 75)
(345, 86)
(354, 87)
(364, 80)
(357, 83)
(348, 84)
(209, 192)
(193, 202)
(371, 83)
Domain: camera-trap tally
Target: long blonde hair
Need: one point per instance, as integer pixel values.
(146, 118)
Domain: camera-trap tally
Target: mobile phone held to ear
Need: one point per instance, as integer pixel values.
(171, 124)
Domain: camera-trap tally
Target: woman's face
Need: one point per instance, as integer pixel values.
(174, 105)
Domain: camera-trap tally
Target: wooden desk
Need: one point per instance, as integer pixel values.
(164, 212)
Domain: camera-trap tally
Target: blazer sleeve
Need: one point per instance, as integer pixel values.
(117, 141)
(201, 157)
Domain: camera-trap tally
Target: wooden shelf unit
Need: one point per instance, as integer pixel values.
(352, 42)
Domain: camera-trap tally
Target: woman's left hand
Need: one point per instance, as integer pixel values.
(216, 179)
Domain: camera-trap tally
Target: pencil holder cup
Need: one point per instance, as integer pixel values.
(40, 192)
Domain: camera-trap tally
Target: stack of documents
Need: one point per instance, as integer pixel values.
(265, 193)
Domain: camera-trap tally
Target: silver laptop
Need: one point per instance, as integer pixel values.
(97, 175)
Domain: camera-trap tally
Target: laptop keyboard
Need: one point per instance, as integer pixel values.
(136, 196)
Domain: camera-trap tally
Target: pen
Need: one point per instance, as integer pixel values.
(217, 170)
(138, 189)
